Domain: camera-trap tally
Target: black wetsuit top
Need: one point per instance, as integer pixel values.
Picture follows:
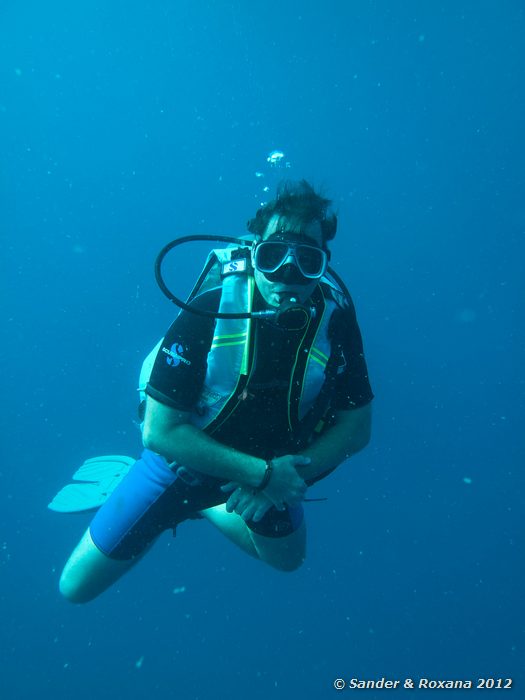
(260, 420)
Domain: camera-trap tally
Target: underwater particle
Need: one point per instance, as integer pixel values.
(467, 480)
(180, 589)
(275, 158)
(6, 556)
(18, 72)
(139, 662)
(258, 174)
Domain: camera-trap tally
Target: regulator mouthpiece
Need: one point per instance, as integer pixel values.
(292, 315)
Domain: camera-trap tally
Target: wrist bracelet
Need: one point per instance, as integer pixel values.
(266, 476)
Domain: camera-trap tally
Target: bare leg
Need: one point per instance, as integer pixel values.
(88, 572)
(232, 526)
(283, 553)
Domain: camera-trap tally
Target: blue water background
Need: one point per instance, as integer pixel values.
(125, 124)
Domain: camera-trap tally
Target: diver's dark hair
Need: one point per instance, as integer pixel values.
(298, 201)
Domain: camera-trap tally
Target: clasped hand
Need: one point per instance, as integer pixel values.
(285, 487)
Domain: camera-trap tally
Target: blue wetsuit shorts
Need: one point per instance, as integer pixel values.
(152, 498)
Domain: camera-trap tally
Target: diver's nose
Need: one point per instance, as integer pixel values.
(290, 274)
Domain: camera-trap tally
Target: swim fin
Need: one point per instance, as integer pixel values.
(96, 479)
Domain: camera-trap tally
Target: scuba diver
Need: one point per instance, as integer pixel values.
(258, 390)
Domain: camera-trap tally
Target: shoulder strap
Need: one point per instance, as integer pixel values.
(314, 421)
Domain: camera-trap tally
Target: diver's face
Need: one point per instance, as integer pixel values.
(276, 288)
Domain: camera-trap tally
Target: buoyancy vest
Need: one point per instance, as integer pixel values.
(230, 358)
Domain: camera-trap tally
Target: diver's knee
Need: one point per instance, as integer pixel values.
(286, 564)
(292, 565)
(73, 592)
(87, 572)
(284, 554)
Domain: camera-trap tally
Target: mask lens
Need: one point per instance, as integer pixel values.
(270, 255)
(311, 261)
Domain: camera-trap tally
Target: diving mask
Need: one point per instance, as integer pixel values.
(270, 257)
